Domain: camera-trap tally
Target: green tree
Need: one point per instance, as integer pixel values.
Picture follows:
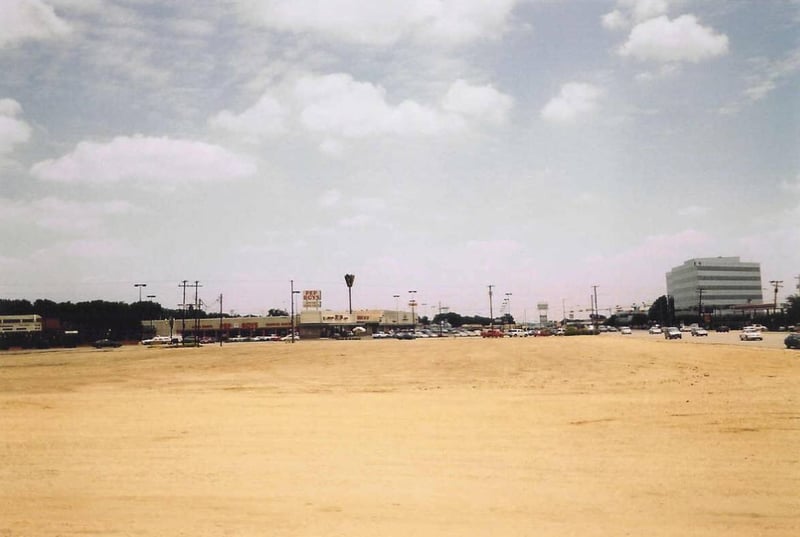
(793, 311)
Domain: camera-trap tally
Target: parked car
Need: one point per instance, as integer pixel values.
(516, 332)
(655, 330)
(792, 341)
(159, 340)
(672, 332)
(723, 328)
(751, 335)
(699, 332)
(493, 332)
(689, 328)
(104, 343)
(625, 330)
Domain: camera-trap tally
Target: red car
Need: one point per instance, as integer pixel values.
(493, 332)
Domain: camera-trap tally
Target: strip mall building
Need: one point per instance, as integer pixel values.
(309, 324)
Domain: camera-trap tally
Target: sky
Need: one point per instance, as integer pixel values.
(542, 147)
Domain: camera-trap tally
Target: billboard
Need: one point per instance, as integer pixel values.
(312, 299)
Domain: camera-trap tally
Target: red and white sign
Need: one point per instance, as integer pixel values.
(312, 298)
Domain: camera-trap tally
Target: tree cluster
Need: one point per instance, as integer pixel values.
(96, 319)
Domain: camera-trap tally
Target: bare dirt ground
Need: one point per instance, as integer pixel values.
(547, 436)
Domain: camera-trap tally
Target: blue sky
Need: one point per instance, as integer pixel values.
(436, 145)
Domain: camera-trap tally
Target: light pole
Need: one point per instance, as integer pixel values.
(396, 309)
(150, 299)
(140, 285)
(491, 309)
(292, 306)
(508, 299)
(349, 279)
(413, 303)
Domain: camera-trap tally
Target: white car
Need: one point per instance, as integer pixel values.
(699, 332)
(655, 330)
(625, 330)
(751, 335)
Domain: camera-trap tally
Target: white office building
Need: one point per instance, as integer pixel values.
(714, 283)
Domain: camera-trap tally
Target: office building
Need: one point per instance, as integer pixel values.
(715, 283)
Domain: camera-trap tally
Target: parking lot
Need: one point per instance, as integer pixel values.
(772, 340)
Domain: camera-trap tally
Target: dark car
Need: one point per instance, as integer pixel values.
(792, 341)
(723, 329)
(103, 343)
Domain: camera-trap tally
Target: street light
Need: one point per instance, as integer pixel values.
(491, 311)
(412, 302)
(140, 285)
(292, 306)
(508, 299)
(349, 279)
(396, 309)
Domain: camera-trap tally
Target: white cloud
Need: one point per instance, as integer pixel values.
(694, 211)
(441, 22)
(615, 20)
(682, 39)
(575, 99)
(145, 160)
(22, 20)
(631, 12)
(663, 71)
(771, 74)
(266, 118)
(647, 9)
(93, 248)
(337, 105)
(792, 186)
(330, 198)
(332, 147)
(63, 215)
(13, 131)
(480, 102)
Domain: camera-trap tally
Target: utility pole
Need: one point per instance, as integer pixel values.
(595, 308)
(220, 319)
(777, 285)
(196, 314)
(491, 309)
(183, 308)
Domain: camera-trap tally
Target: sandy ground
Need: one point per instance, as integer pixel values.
(584, 436)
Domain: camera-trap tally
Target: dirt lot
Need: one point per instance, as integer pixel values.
(547, 436)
